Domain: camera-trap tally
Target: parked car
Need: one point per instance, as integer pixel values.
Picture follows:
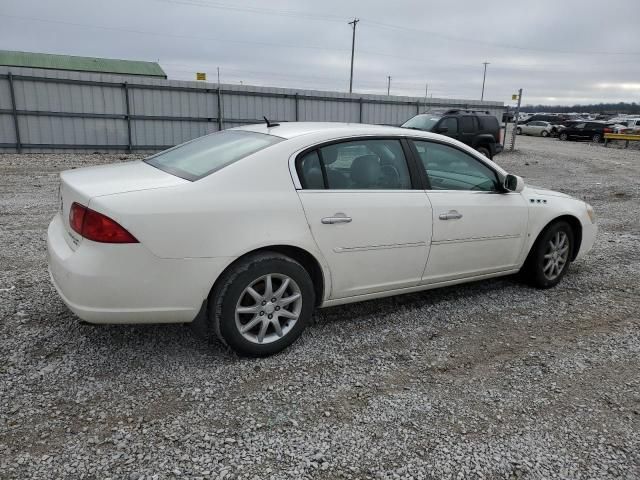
(628, 125)
(539, 129)
(593, 131)
(479, 130)
(247, 230)
(556, 121)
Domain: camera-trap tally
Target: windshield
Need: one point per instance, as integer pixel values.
(201, 157)
(422, 122)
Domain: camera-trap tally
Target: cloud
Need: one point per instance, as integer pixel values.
(558, 52)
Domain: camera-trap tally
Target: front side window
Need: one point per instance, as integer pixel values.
(355, 165)
(451, 169)
(451, 124)
(579, 126)
(201, 157)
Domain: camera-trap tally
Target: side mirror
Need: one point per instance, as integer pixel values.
(442, 129)
(513, 183)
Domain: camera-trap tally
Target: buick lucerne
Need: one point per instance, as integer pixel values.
(252, 228)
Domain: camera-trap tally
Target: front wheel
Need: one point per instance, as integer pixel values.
(262, 305)
(518, 131)
(484, 151)
(550, 256)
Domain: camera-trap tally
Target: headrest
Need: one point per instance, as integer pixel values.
(365, 171)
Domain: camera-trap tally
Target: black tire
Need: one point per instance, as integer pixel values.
(518, 131)
(597, 138)
(484, 151)
(225, 297)
(563, 137)
(533, 270)
(545, 133)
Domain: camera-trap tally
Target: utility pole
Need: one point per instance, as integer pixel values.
(218, 68)
(353, 47)
(388, 85)
(515, 121)
(483, 79)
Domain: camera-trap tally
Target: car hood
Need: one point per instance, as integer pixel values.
(533, 190)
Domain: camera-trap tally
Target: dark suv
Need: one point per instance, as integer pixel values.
(593, 131)
(479, 130)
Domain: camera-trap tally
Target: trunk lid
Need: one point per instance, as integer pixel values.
(83, 184)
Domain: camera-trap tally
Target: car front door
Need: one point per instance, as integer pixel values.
(368, 215)
(477, 228)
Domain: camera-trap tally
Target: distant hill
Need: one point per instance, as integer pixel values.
(610, 108)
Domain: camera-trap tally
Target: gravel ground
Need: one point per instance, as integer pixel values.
(488, 380)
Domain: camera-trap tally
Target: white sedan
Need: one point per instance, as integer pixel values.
(251, 228)
(541, 129)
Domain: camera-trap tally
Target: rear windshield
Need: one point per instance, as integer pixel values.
(422, 122)
(201, 157)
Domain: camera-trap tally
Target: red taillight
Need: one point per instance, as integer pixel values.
(608, 130)
(97, 227)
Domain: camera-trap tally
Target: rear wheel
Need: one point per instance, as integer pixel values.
(262, 305)
(550, 256)
(596, 138)
(518, 131)
(563, 136)
(484, 151)
(545, 133)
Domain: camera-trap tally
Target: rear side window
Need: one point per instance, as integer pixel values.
(203, 156)
(356, 165)
(489, 122)
(468, 124)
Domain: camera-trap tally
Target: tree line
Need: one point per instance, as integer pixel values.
(620, 107)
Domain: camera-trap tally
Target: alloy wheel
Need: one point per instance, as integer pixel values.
(268, 308)
(556, 255)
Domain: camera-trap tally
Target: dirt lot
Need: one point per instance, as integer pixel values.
(489, 380)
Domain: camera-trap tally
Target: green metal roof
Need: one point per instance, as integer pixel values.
(83, 64)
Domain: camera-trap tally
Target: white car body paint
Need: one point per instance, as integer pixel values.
(190, 232)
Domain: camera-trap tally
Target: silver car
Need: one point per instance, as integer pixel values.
(537, 128)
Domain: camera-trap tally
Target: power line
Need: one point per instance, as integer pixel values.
(334, 18)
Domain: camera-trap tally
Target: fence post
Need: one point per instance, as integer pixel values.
(417, 107)
(297, 99)
(128, 115)
(219, 108)
(360, 101)
(14, 113)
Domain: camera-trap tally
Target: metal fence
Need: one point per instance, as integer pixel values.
(45, 111)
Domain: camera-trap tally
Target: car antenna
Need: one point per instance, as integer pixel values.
(269, 124)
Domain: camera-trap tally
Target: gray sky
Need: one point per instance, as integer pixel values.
(559, 52)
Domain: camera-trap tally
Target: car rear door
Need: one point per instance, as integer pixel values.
(477, 229)
(468, 129)
(367, 213)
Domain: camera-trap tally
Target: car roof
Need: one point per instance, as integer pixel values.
(290, 130)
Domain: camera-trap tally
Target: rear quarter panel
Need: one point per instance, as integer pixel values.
(244, 206)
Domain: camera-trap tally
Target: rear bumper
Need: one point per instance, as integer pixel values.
(104, 283)
(589, 233)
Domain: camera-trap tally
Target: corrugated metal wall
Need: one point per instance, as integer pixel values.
(78, 111)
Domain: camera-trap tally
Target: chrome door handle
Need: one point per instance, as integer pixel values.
(450, 215)
(337, 218)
